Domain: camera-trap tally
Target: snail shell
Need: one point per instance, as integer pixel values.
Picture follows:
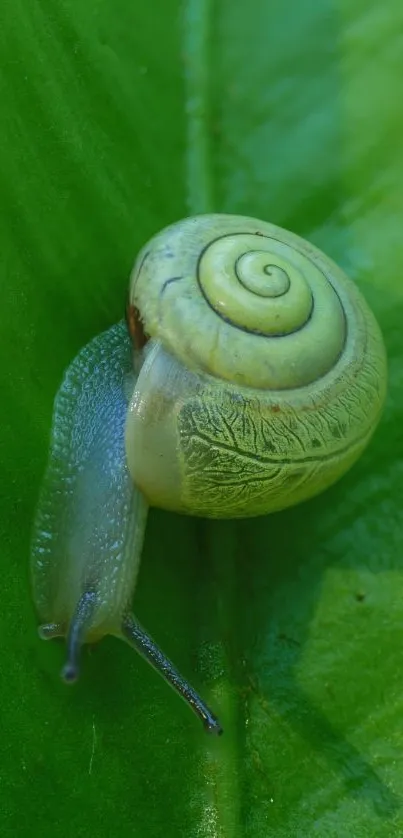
(264, 376)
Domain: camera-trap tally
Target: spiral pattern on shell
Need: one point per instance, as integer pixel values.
(244, 301)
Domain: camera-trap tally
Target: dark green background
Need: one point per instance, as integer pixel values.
(118, 117)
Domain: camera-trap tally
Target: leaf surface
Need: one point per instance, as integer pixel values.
(118, 118)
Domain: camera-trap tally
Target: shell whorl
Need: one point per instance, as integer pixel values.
(244, 301)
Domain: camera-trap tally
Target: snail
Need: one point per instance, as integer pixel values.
(251, 378)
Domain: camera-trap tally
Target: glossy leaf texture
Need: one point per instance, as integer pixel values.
(118, 118)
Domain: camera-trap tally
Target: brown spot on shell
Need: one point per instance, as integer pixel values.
(135, 326)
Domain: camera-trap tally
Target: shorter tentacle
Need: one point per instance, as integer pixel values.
(76, 634)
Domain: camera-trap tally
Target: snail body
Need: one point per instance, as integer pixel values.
(255, 378)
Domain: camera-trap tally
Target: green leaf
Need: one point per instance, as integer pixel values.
(118, 118)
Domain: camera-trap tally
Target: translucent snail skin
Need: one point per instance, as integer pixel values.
(254, 378)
